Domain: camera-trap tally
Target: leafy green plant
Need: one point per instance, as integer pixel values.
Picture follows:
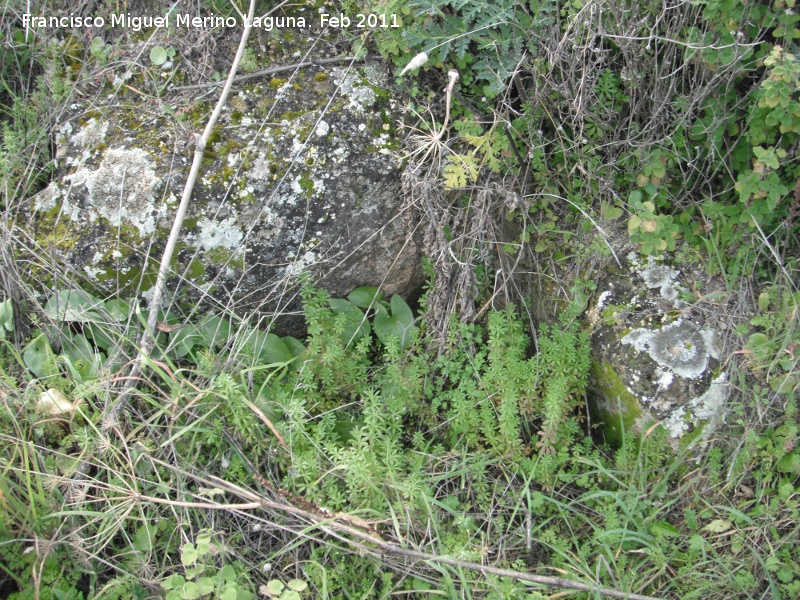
(202, 578)
(160, 55)
(655, 233)
(772, 351)
(291, 590)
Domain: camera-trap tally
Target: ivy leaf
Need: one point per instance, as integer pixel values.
(275, 587)
(206, 586)
(747, 185)
(173, 581)
(190, 591)
(229, 593)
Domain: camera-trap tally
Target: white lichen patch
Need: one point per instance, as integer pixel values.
(93, 272)
(679, 346)
(360, 97)
(296, 187)
(663, 378)
(712, 405)
(299, 265)
(340, 154)
(47, 198)
(322, 129)
(708, 410)
(381, 140)
(123, 189)
(601, 301)
(92, 134)
(219, 234)
(675, 424)
(657, 275)
(260, 169)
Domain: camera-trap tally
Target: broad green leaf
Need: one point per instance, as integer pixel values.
(399, 324)
(73, 306)
(184, 339)
(790, 463)
(610, 212)
(6, 317)
(764, 301)
(227, 574)
(77, 348)
(102, 335)
(760, 346)
(190, 591)
(664, 528)
(215, 331)
(173, 581)
(783, 384)
(206, 585)
(229, 593)
(266, 348)
(143, 538)
(39, 358)
(365, 297)
(295, 346)
(118, 310)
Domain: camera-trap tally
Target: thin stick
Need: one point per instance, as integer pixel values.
(272, 71)
(148, 336)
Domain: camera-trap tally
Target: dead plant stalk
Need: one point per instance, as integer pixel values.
(148, 335)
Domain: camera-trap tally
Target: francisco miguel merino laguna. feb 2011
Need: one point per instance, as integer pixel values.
(139, 22)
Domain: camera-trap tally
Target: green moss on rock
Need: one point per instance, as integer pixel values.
(616, 410)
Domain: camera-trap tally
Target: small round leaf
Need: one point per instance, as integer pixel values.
(158, 56)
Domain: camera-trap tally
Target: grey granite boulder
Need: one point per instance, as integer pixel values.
(299, 177)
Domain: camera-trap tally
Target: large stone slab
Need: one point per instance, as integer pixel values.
(299, 177)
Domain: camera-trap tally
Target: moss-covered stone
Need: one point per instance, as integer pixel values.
(651, 362)
(287, 185)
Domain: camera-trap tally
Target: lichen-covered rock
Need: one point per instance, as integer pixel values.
(298, 177)
(655, 360)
